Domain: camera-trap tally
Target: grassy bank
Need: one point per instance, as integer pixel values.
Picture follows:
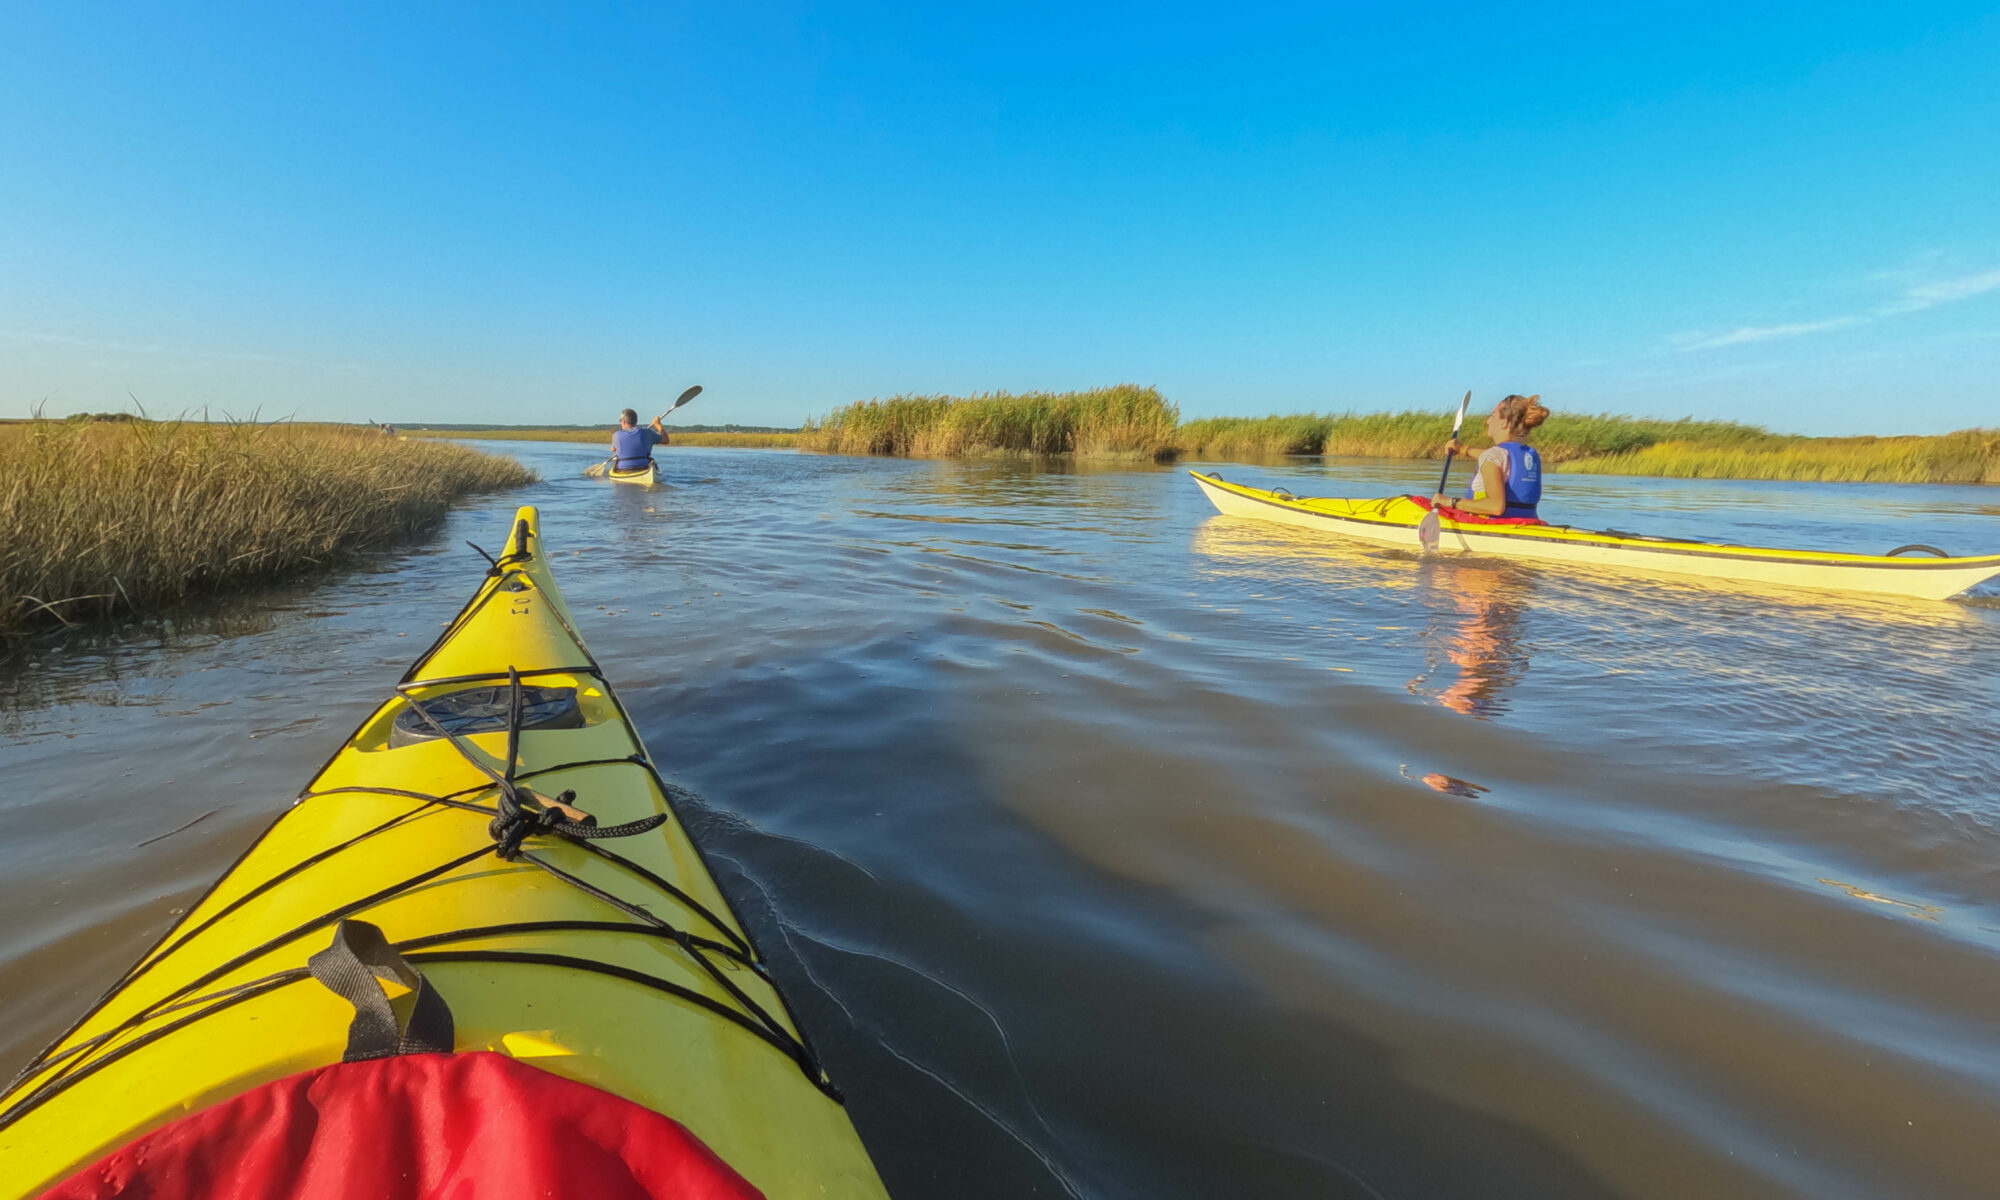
(112, 518)
(1126, 421)
(1134, 422)
(1968, 456)
(767, 441)
(776, 440)
(1615, 445)
(1564, 438)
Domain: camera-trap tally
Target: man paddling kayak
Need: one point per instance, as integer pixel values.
(1507, 481)
(631, 446)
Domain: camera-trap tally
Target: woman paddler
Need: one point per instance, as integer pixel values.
(1508, 479)
(632, 446)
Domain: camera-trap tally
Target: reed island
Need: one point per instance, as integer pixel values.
(114, 516)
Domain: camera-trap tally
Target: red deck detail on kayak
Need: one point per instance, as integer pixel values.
(1466, 518)
(416, 1126)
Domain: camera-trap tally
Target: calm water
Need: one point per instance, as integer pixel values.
(1114, 848)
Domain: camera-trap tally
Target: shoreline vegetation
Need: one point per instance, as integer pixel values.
(1123, 422)
(1130, 422)
(121, 516)
(779, 439)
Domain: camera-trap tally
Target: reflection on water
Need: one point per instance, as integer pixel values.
(1463, 788)
(1111, 847)
(94, 664)
(1471, 639)
(1927, 912)
(1480, 637)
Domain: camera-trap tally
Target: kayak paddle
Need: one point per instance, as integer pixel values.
(686, 396)
(1427, 530)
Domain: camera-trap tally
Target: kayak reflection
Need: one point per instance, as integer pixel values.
(1474, 635)
(1279, 554)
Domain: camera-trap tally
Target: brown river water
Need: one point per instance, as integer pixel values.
(1113, 848)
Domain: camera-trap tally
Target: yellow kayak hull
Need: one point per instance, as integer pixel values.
(1394, 520)
(647, 476)
(533, 966)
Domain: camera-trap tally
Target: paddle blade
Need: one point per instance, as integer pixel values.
(686, 396)
(1428, 530)
(596, 470)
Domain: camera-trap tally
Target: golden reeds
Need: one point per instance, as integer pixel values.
(765, 441)
(1564, 437)
(1133, 422)
(107, 518)
(602, 437)
(1967, 456)
(1125, 421)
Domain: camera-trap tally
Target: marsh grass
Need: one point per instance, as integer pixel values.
(1422, 435)
(1132, 422)
(1254, 437)
(107, 518)
(1125, 421)
(602, 437)
(1967, 456)
(766, 441)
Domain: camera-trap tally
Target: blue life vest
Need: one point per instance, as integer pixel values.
(633, 448)
(1524, 480)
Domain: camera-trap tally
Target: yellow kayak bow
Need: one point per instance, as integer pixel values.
(500, 822)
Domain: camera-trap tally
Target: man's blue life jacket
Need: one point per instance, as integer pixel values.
(633, 448)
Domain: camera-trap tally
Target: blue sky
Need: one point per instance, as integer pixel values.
(1783, 213)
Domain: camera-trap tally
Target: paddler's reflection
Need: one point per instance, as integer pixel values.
(1474, 634)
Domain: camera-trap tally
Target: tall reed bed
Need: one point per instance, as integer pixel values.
(1422, 435)
(1126, 421)
(1968, 456)
(1254, 437)
(110, 518)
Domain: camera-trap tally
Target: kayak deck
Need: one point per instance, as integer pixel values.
(602, 952)
(1393, 520)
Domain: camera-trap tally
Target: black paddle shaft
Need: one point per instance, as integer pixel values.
(1455, 427)
(1446, 474)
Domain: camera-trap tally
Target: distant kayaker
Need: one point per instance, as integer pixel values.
(1507, 480)
(631, 446)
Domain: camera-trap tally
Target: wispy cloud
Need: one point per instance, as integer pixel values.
(1760, 333)
(1914, 297)
(1946, 291)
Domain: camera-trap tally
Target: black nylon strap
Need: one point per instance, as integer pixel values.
(349, 968)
